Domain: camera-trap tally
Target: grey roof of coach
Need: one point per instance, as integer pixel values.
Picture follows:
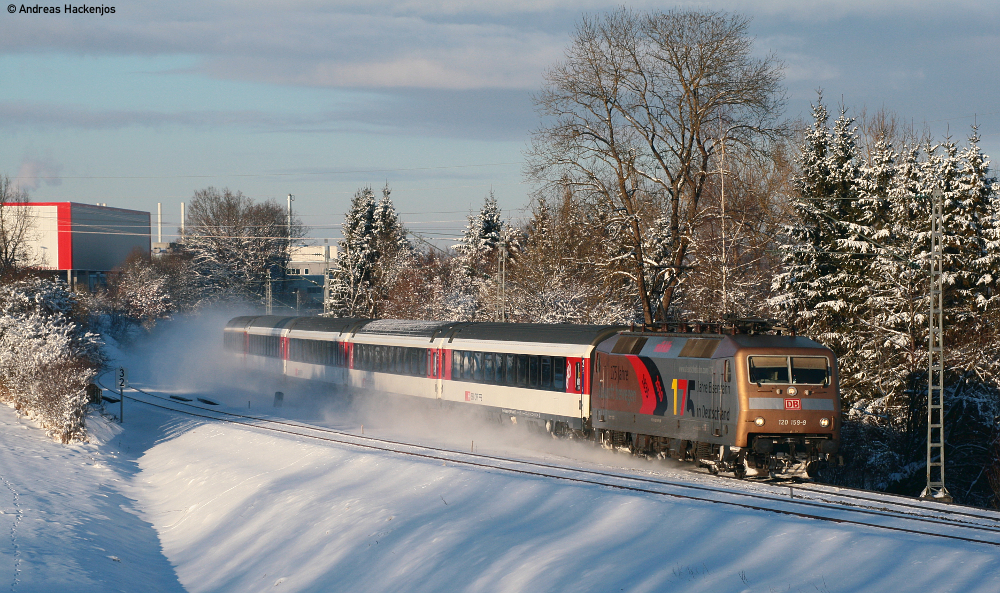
(547, 333)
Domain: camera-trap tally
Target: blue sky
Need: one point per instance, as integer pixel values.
(319, 98)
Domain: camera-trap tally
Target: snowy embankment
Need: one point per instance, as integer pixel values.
(172, 503)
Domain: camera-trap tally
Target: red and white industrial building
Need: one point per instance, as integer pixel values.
(82, 242)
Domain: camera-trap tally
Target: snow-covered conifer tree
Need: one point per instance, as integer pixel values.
(372, 253)
(817, 288)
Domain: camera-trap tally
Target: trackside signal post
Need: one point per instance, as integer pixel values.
(935, 489)
(121, 382)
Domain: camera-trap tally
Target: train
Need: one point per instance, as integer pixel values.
(745, 396)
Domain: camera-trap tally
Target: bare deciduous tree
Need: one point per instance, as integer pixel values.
(234, 242)
(15, 227)
(635, 116)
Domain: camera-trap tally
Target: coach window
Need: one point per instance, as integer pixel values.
(533, 372)
(522, 370)
(477, 367)
(488, 373)
(559, 373)
(510, 369)
(546, 372)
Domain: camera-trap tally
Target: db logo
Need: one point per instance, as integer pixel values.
(793, 404)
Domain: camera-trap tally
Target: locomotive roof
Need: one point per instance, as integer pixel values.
(772, 341)
(743, 340)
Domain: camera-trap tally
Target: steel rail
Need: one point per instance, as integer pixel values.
(245, 420)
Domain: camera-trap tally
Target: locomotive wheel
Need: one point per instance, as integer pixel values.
(740, 469)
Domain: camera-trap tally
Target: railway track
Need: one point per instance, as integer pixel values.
(811, 501)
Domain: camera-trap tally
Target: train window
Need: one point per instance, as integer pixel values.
(559, 373)
(488, 374)
(533, 372)
(546, 363)
(477, 366)
(467, 365)
(810, 369)
(510, 369)
(430, 363)
(522, 369)
(456, 364)
(727, 370)
(769, 369)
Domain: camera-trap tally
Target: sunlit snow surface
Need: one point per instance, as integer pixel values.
(174, 504)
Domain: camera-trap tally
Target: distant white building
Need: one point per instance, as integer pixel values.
(309, 260)
(306, 280)
(84, 241)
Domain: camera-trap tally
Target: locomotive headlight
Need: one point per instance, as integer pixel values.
(792, 391)
(759, 421)
(824, 422)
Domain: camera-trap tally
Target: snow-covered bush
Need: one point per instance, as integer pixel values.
(47, 357)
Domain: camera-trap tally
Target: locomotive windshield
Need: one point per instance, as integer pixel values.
(769, 369)
(810, 370)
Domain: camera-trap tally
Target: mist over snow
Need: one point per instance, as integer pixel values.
(167, 502)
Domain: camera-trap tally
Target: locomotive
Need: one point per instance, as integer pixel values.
(742, 397)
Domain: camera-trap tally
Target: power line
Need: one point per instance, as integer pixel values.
(332, 172)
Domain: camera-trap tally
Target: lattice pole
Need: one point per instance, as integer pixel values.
(935, 489)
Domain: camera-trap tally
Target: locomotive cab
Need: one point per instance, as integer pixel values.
(790, 410)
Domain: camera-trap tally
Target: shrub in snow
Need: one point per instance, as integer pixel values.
(47, 358)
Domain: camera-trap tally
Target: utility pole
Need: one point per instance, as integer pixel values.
(268, 307)
(326, 276)
(182, 220)
(159, 222)
(935, 489)
(502, 281)
(722, 182)
(291, 199)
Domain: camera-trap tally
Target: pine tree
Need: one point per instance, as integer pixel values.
(374, 252)
(817, 288)
(350, 291)
(485, 232)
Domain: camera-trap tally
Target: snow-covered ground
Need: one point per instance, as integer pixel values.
(171, 503)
